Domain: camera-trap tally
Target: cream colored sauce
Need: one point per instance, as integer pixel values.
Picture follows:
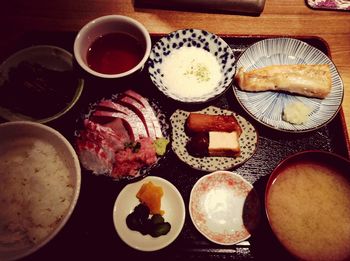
(309, 210)
(36, 191)
(191, 72)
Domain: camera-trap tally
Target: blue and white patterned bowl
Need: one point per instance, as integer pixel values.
(267, 107)
(192, 38)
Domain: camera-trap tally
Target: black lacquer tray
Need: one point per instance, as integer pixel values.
(90, 233)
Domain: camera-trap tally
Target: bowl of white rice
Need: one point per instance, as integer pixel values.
(191, 66)
(39, 186)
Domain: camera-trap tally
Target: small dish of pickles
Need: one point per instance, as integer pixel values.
(149, 214)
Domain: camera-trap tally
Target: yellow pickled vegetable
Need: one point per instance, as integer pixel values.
(151, 195)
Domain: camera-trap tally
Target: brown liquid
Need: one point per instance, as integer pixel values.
(114, 53)
(309, 210)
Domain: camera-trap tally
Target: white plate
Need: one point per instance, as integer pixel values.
(267, 107)
(48, 56)
(172, 204)
(224, 207)
(248, 142)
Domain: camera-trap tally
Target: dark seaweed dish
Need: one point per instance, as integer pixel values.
(36, 91)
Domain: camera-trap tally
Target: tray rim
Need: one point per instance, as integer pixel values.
(255, 37)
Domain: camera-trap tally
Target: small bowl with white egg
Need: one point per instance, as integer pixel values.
(191, 66)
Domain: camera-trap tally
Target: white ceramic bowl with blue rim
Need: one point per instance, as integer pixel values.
(192, 38)
(267, 107)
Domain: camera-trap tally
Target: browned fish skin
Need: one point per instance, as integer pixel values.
(311, 80)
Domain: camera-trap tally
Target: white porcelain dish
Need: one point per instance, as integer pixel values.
(34, 186)
(267, 107)
(248, 142)
(172, 203)
(197, 39)
(50, 57)
(224, 207)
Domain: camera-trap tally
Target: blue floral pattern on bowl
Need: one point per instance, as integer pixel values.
(192, 38)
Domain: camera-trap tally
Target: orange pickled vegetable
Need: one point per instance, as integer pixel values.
(151, 195)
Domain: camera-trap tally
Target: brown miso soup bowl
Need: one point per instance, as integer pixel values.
(307, 203)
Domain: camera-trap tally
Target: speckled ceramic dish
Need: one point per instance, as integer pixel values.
(224, 207)
(248, 142)
(267, 107)
(207, 41)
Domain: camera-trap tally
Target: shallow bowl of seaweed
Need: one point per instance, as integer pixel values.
(38, 84)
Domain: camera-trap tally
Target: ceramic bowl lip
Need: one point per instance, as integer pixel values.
(108, 19)
(198, 101)
(302, 154)
(217, 172)
(77, 184)
(79, 87)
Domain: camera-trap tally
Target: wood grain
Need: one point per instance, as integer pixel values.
(289, 18)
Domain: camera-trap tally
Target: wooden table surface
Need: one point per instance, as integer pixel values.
(289, 18)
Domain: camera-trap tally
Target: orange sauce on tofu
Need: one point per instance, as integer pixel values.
(151, 195)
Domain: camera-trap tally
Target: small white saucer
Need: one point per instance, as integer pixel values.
(172, 203)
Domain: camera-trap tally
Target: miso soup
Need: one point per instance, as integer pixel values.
(308, 207)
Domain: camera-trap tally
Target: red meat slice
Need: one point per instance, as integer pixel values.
(142, 113)
(140, 99)
(118, 127)
(135, 132)
(132, 116)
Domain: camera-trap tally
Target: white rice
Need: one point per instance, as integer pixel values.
(191, 72)
(36, 191)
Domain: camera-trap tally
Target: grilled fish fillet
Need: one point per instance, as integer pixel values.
(304, 79)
